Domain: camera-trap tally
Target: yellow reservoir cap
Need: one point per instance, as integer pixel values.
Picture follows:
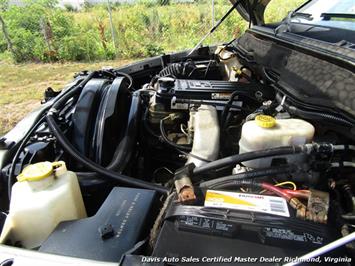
(265, 121)
(36, 172)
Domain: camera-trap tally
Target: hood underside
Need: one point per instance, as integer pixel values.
(252, 10)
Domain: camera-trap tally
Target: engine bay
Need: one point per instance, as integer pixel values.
(198, 160)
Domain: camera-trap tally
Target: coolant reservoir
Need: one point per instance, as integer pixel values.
(45, 195)
(267, 132)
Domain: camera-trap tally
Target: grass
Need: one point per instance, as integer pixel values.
(172, 27)
(22, 86)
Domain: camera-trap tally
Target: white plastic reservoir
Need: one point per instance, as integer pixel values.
(267, 132)
(45, 195)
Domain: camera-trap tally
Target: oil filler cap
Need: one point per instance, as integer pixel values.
(265, 121)
(36, 172)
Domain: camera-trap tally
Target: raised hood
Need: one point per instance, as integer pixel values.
(252, 10)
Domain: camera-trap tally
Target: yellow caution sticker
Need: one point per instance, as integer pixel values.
(247, 202)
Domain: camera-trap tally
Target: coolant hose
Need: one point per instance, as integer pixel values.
(57, 106)
(69, 148)
(317, 116)
(227, 107)
(17, 155)
(312, 114)
(238, 158)
(178, 70)
(117, 162)
(234, 180)
(173, 70)
(25, 139)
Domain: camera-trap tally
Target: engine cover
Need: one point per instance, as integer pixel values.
(209, 90)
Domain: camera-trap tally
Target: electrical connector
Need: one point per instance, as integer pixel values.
(299, 207)
(183, 184)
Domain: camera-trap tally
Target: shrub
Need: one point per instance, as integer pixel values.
(41, 32)
(70, 8)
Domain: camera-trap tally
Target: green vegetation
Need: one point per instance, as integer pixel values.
(40, 32)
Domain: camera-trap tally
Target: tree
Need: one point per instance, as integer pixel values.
(164, 2)
(51, 4)
(70, 8)
(87, 5)
(6, 35)
(4, 4)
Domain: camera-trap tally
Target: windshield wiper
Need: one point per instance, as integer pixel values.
(306, 16)
(285, 26)
(329, 16)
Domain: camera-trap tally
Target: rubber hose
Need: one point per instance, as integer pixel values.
(17, 154)
(232, 179)
(349, 196)
(69, 148)
(119, 161)
(174, 70)
(90, 179)
(124, 148)
(227, 107)
(178, 70)
(237, 183)
(30, 132)
(61, 101)
(317, 116)
(312, 114)
(238, 158)
(234, 183)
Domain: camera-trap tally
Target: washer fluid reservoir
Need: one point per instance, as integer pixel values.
(267, 132)
(45, 195)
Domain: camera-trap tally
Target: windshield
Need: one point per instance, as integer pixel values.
(334, 13)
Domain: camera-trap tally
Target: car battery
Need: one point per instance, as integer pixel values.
(201, 231)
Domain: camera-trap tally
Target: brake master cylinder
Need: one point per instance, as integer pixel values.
(45, 195)
(267, 132)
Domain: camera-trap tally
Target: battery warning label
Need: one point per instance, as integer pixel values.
(247, 202)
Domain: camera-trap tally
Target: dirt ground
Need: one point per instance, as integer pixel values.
(22, 86)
